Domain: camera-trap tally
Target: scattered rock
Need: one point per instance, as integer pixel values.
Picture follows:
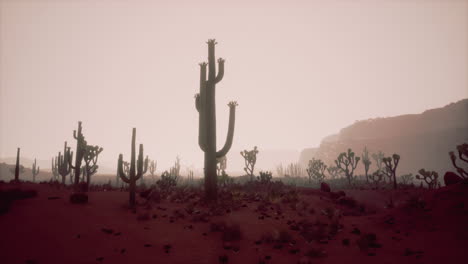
(107, 230)
(79, 198)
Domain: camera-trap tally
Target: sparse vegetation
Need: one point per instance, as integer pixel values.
(391, 164)
(316, 170)
(429, 177)
(347, 163)
(250, 159)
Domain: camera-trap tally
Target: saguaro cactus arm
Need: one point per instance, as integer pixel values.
(120, 169)
(142, 166)
(230, 135)
(220, 74)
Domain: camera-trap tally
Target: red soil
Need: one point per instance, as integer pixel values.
(432, 229)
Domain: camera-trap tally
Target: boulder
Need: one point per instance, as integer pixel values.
(451, 178)
(324, 187)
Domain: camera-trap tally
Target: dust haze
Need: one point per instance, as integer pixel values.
(300, 71)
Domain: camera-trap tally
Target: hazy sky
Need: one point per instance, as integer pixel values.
(300, 70)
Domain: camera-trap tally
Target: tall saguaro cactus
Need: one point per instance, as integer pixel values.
(205, 104)
(80, 151)
(34, 170)
(135, 173)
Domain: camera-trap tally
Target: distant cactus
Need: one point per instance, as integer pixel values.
(378, 158)
(265, 177)
(55, 171)
(224, 179)
(334, 172)
(90, 157)
(205, 104)
(406, 178)
(463, 155)
(134, 173)
(280, 170)
(430, 177)
(63, 162)
(79, 152)
(190, 176)
(152, 167)
(250, 158)
(175, 170)
(18, 168)
(294, 169)
(390, 168)
(347, 163)
(367, 162)
(316, 170)
(167, 181)
(376, 177)
(34, 170)
(221, 165)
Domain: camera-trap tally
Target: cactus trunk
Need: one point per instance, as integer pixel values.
(205, 103)
(17, 167)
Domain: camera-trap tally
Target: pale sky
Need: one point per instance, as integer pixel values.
(300, 70)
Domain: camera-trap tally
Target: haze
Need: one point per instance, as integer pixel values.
(300, 71)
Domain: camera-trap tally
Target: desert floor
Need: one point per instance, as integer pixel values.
(422, 227)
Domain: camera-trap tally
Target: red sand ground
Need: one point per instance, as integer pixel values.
(39, 230)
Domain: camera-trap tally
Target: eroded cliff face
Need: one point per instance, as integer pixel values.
(422, 140)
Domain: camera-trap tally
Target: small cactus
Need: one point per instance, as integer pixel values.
(367, 162)
(34, 170)
(90, 157)
(135, 173)
(152, 167)
(79, 152)
(390, 168)
(265, 177)
(430, 177)
(55, 171)
(63, 162)
(250, 158)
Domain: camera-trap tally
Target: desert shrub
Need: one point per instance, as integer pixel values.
(429, 177)
(407, 178)
(265, 177)
(167, 181)
(224, 179)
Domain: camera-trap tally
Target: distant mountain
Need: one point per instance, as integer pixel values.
(422, 140)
